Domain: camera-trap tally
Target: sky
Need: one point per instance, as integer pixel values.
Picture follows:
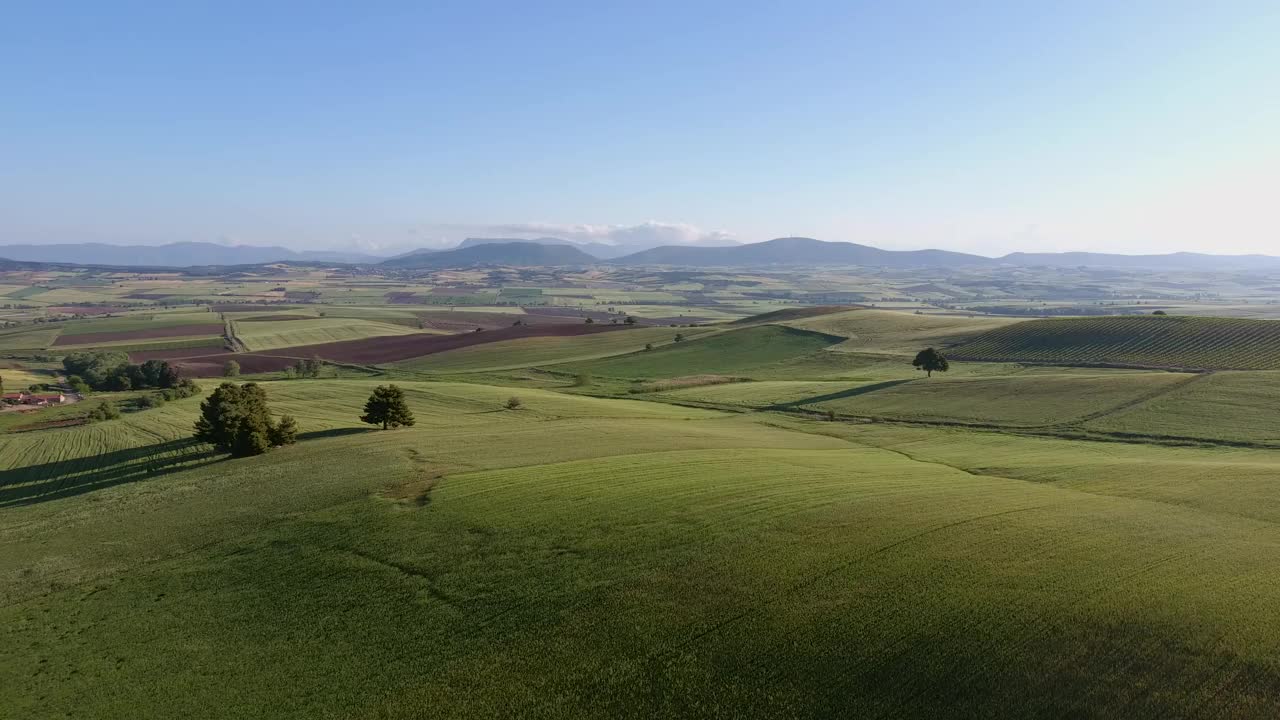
(987, 127)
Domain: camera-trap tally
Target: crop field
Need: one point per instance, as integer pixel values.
(1224, 406)
(165, 331)
(28, 338)
(1017, 401)
(1176, 342)
(761, 394)
(273, 334)
(724, 353)
(526, 352)
(683, 533)
(18, 376)
(630, 559)
(896, 332)
(369, 351)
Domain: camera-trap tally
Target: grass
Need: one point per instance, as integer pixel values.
(1017, 401)
(1230, 406)
(654, 566)
(629, 558)
(273, 334)
(728, 353)
(1150, 341)
(528, 352)
(886, 331)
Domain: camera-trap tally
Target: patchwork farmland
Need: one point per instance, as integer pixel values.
(769, 515)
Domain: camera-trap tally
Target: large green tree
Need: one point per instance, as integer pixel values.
(236, 419)
(387, 407)
(931, 361)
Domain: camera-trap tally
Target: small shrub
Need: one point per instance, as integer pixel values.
(513, 403)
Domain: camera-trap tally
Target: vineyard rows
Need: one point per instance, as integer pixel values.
(1148, 341)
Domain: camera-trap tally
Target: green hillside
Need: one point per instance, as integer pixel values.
(728, 352)
(1148, 341)
(887, 331)
(586, 557)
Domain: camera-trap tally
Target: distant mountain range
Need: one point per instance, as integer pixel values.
(799, 251)
(792, 251)
(182, 254)
(499, 253)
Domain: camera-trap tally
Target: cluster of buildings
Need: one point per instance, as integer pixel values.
(33, 399)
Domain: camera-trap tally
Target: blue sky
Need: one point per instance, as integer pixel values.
(986, 126)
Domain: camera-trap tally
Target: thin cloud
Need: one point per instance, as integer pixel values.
(648, 233)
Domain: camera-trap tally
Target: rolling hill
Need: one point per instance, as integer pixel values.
(799, 251)
(1205, 343)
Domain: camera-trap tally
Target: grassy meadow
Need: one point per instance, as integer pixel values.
(672, 532)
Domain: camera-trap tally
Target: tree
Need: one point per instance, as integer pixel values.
(630, 320)
(231, 368)
(513, 403)
(104, 411)
(582, 380)
(590, 322)
(930, 360)
(1159, 312)
(648, 346)
(679, 337)
(285, 432)
(387, 407)
(236, 419)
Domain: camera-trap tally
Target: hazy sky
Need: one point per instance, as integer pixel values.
(1131, 126)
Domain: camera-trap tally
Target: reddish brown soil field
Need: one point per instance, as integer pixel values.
(371, 351)
(160, 332)
(273, 318)
(46, 424)
(83, 310)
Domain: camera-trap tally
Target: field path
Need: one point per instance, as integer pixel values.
(1140, 400)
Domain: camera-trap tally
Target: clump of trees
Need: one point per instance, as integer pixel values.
(308, 368)
(109, 370)
(105, 410)
(931, 361)
(237, 420)
(387, 407)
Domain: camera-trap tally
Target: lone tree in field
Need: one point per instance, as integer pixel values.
(930, 360)
(236, 419)
(386, 407)
(231, 368)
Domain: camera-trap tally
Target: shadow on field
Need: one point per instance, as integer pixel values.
(51, 481)
(335, 432)
(851, 392)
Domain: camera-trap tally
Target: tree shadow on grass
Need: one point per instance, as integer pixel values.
(336, 432)
(50, 481)
(851, 392)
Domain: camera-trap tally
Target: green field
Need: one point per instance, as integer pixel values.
(273, 334)
(629, 559)
(1229, 406)
(685, 533)
(1017, 401)
(526, 352)
(724, 353)
(1150, 341)
(886, 331)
